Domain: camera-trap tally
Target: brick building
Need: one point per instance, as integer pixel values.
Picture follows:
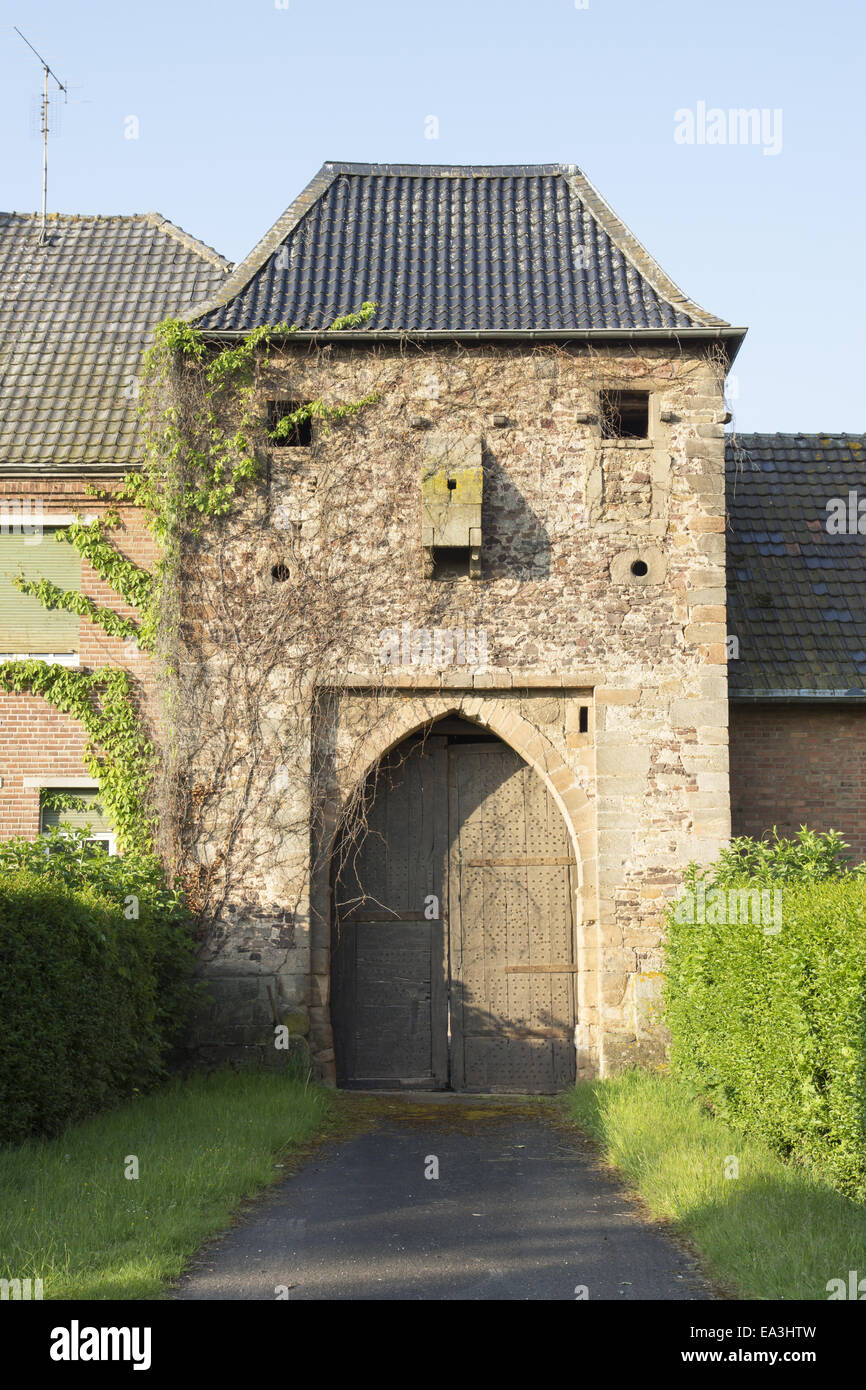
(798, 683)
(529, 612)
(76, 313)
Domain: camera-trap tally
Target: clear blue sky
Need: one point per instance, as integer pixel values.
(239, 102)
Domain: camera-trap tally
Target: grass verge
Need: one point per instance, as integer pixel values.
(776, 1231)
(70, 1216)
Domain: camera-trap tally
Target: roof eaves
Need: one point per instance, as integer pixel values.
(854, 694)
(725, 333)
(87, 467)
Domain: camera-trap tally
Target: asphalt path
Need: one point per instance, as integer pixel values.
(520, 1209)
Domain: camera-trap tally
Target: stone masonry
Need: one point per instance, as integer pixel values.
(569, 625)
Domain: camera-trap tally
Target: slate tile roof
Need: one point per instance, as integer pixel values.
(795, 591)
(75, 317)
(519, 248)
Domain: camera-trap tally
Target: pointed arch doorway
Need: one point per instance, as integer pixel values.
(452, 951)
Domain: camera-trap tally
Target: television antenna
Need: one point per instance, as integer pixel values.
(46, 73)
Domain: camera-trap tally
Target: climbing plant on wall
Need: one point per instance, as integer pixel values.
(277, 570)
(205, 443)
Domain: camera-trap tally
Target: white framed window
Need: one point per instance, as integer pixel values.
(85, 814)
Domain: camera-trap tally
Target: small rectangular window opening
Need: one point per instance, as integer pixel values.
(624, 414)
(583, 718)
(300, 435)
(451, 562)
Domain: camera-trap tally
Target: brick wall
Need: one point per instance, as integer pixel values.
(35, 740)
(793, 765)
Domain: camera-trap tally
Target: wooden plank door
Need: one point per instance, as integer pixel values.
(389, 959)
(511, 926)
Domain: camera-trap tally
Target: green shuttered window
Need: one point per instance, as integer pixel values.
(25, 626)
(92, 818)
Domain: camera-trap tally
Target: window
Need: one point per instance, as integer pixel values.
(298, 435)
(26, 628)
(79, 808)
(451, 562)
(624, 414)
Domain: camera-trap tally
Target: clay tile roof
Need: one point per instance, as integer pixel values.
(453, 249)
(76, 315)
(795, 590)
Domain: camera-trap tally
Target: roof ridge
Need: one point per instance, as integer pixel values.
(153, 219)
(491, 171)
(800, 434)
(78, 216)
(779, 438)
(192, 243)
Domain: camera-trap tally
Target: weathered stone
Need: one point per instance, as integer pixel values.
(609, 682)
(296, 1020)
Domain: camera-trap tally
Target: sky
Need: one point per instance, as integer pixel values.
(216, 113)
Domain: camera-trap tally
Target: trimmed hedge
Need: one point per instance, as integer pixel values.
(92, 996)
(770, 1026)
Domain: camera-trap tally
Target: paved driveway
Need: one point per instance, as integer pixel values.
(519, 1210)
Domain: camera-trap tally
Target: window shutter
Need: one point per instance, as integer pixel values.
(92, 817)
(25, 626)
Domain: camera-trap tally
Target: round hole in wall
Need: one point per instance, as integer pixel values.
(280, 573)
(640, 568)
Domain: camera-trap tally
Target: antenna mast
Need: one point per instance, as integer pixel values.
(47, 72)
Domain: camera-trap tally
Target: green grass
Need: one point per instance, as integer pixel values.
(777, 1231)
(68, 1215)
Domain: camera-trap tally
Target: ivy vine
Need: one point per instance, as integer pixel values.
(54, 799)
(52, 596)
(118, 754)
(194, 469)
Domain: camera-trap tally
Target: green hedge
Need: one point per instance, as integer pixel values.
(770, 1025)
(95, 982)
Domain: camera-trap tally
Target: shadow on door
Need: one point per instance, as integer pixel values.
(452, 923)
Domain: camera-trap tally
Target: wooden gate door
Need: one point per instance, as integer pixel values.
(480, 997)
(389, 1003)
(511, 926)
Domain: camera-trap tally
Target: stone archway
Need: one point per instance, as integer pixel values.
(558, 785)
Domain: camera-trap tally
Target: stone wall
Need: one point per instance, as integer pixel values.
(567, 623)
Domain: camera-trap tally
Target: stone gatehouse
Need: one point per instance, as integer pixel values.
(460, 672)
(526, 633)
